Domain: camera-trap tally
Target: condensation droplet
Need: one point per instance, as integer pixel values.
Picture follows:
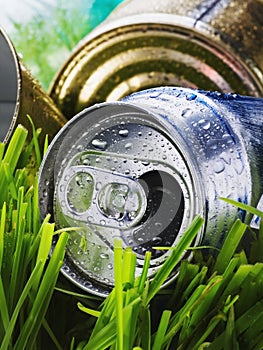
(128, 145)
(104, 256)
(99, 144)
(204, 124)
(187, 112)
(124, 132)
(191, 97)
(219, 166)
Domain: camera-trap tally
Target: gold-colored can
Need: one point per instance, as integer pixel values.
(22, 95)
(211, 45)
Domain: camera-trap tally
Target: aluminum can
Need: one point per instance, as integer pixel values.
(206, 44)
(22, 95)
(141, 169)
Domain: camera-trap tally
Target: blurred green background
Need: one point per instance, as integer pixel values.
(44, 32)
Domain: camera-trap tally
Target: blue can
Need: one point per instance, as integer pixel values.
(141, 169)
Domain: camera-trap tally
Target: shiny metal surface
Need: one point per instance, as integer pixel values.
(22, 95)
(212, 45)
(141, 169)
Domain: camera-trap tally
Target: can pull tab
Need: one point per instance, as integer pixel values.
(99, 197)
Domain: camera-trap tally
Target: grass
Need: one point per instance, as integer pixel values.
(215, 303)
(28, 275)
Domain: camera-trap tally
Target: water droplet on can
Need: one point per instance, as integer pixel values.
(100, 144)
(124, 132)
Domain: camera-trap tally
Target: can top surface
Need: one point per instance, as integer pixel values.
(114, 172)
(140, 170)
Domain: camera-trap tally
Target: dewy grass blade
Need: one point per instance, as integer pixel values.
(174, 258)
(229, 246)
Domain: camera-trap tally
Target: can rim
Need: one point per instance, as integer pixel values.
(19, 83)
(200, 32)
(46, 176)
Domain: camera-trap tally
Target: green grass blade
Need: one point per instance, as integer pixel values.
(143, 276)
(2, 232)
(8, 335)
(128, 267)
(2, 150)
(37, 312)
(89, 311)
(230, 341)
(178, 318)
(3, 306)
(10, 180)
(174, 258)
(233, 286)
(45, 145)
(119, 295)
(229, 246)
(20, 230)
(162, 328)
(245, 207)
(43, 251)
(257, 246)
(187, 273)
(35, 213)
(15, 147)
(35, 140)
(145, 329)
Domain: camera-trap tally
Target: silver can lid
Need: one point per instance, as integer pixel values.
(114, 172)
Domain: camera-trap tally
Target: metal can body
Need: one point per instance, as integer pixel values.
(22, 95)
(211, 45)
(141, 169)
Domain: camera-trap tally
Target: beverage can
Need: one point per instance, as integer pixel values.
(22, 95)
(210, 45)
(141, 169)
